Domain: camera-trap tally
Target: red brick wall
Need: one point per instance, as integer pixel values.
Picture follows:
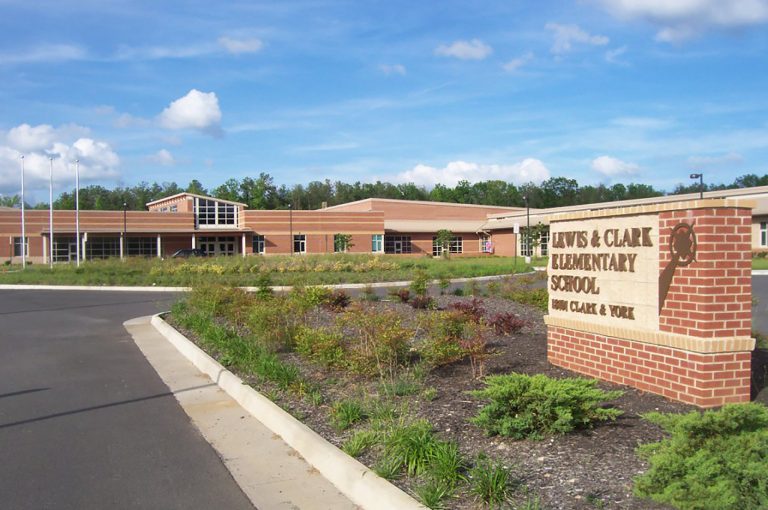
(705, 380)
(711, 297)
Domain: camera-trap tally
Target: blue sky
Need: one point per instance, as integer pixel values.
(597, 90)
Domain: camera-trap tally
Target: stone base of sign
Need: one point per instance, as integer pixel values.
(702, 379)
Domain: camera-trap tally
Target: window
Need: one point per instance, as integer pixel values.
(226, 214)
(64, 249)
(141, 246)
(258, 243)
(215, 246)
(764, 233)
(300, 243)
(544, 243)
(525, 250)
(341, 243)
(213, 212)
(174, 208)
(397, 244)
(102, 247)
(377, 243)
(485, 244)
(455, 245)
(17, 247)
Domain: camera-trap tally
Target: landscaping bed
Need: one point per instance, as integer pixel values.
(362, 411)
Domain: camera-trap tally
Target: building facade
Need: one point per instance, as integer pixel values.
(222, 227)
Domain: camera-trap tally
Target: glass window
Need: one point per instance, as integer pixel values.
(485, 244)
(764, 233)
(64, 249)
(300, 243)
(525, 250)
(17, 247)
(258, 243)
(206, 212)
(141, 246)
(341, 243)
(377, 243)
(397, 244)
(455, 245)
(174, 208)
(102, 247)
(544, 243)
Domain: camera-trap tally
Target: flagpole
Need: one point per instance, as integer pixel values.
(77, 207)
(50, 212)
(23, 221)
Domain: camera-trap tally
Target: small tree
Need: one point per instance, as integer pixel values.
(342, 242)
(443, 240)
(535, 236)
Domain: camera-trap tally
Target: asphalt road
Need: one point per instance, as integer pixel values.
(85, 422)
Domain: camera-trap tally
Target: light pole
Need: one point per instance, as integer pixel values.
(50, 211)
(77, 209)
(290, 226)
(700, 177)
(528, 249)
(125, 228)
(23, 221)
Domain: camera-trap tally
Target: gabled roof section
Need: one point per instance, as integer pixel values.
(192, 195)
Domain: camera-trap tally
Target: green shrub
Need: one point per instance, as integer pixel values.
(360, 442)
(444, 331)
(538, 298)
(420, 283)
(433, 494)
(411, 447)
(321, 345)
(264, 286)
(310, 297)
(346, 413)
(524, 406)
(490, 482)
(713, 460)
(379, 341)
(274, 322)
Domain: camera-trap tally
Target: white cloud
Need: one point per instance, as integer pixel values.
(55, 53)
(393, 69)
(643, 123)
(238, 46)
(612, 167)
(465, 50)
(516, 63)
(725, 160)
(527, 170)
(98, 161)
(163, 157)
(567, 36)
(27, 138)
(196, 110)
(680, 20)
(612, 56)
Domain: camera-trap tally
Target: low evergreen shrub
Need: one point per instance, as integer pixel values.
(523, 406)
(716, 460)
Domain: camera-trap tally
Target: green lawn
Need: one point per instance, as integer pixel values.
(760, 263)
(250, 271)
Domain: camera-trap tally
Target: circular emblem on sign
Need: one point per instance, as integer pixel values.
(682, 244)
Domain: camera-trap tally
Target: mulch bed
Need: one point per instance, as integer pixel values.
(584, 470)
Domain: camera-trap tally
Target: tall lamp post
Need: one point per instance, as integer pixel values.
(77, 209)
(125, 228)
(23, 221)
(700, 177)
(290, 226)
(528, 250)
(50, 212)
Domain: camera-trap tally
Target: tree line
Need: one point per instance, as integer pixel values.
(262, 193)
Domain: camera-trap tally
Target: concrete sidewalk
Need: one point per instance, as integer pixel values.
(270, 472)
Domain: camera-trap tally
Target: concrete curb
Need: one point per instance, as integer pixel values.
(760, 272)
(361, 485)
(276, 288)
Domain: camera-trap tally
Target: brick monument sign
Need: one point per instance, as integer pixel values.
(657, 297)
